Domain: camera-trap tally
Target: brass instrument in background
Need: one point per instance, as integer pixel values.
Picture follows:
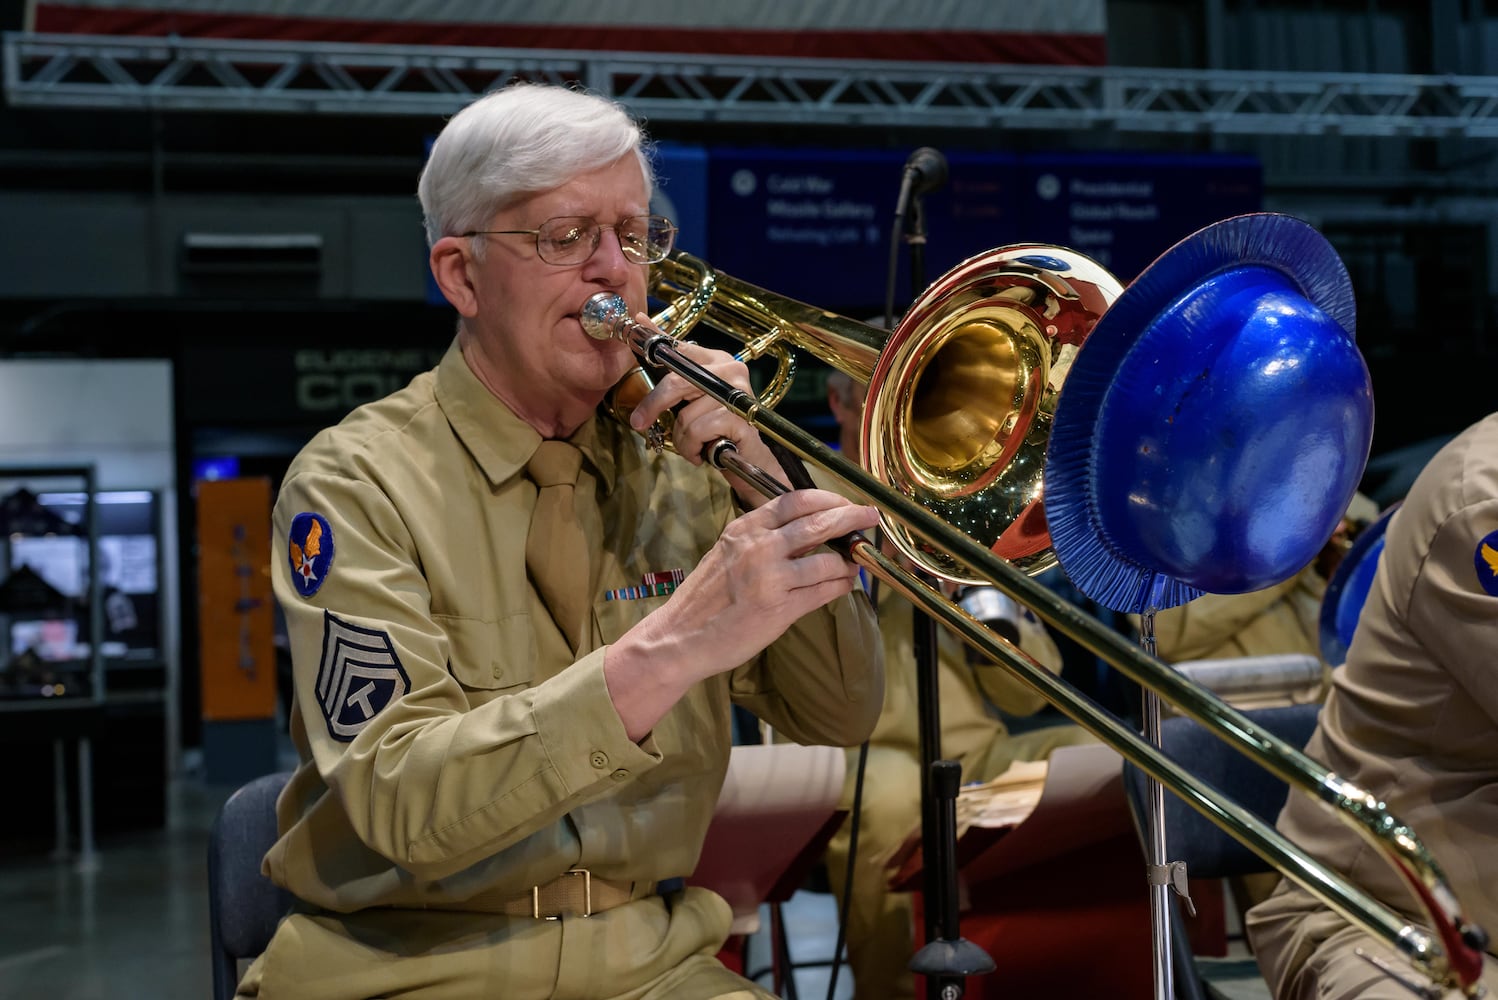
(958, 411)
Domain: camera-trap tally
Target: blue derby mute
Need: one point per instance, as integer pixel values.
(1216, 423)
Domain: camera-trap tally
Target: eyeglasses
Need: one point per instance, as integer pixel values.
(572, 239)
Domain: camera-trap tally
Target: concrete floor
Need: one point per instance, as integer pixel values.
(134, 925)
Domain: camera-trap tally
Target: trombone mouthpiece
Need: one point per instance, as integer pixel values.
(605, 316)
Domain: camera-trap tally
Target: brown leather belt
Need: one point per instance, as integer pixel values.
(575, 893)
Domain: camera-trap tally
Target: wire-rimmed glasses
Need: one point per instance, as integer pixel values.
(572, 239)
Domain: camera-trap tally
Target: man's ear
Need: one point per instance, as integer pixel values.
(449, 261)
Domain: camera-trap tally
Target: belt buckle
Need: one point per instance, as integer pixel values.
(587, 896)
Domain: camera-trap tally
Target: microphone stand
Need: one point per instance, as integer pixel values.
(946, 958)
(1164, 876)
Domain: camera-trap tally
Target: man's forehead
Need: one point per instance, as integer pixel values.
(604, 194)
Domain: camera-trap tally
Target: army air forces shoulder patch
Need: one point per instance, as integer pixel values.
(310, 546)
(1485, 560)
(359, 676)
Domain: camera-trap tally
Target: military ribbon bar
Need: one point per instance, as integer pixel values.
(657, 584)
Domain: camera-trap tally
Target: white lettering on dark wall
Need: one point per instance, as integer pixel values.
(1083, 237)
(1080, 188)
(343, 392)
(1099, 206)
(824, 236)
(353, 359)
(843, 210)
(336, 381)
(804, 184)
(1118, 211)
(782, 208)
(801, 209)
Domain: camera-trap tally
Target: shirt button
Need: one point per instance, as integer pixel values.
(620, 774)
(599, 759)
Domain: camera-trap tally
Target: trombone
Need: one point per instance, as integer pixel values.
(997, 333)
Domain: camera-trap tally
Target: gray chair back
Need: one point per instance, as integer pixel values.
(244, 906)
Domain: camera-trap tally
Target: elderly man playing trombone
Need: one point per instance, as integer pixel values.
(517, 630)
(1412, 718)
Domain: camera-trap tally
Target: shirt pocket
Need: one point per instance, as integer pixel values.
(490, 655)
(616, 617)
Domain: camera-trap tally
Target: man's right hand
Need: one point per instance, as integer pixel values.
(762, 574)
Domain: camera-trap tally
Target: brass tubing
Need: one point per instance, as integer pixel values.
(1454, 962)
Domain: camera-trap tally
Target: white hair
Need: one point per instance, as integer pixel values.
(848, 389)
(518, 141)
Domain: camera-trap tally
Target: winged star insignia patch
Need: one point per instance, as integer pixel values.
(359, 676)
(311, 551)
(1486, 562)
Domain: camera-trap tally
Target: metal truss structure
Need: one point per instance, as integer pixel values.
(174, 74)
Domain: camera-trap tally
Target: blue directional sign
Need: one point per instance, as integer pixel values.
(1126, 210)
(807, 223)
(816, 224)
(681, 193)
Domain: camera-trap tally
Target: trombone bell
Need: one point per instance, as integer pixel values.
(960, 395)
(960, 403)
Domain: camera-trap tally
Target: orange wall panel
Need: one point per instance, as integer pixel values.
(235, 606)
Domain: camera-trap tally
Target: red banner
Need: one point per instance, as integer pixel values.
(1062, 32)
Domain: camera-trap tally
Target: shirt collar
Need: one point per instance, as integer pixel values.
(499, 441)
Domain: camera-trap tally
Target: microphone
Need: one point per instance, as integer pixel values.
(925, 170)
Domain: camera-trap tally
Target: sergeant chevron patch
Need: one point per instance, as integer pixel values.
(359, 676)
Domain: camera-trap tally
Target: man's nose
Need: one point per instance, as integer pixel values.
(609, 260)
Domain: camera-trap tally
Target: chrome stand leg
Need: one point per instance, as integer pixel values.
(1154, 825)
(1164, 876)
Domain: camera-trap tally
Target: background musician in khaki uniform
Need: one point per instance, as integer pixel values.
(514, 658)
(881, 935)
(1413, 718)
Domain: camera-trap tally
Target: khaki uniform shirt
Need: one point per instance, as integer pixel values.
(1413, 715)
(475, 755)
(1284, 618)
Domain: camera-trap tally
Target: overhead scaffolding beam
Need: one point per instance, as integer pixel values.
(197, 74)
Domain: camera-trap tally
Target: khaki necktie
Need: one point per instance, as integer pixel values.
(564, 538)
